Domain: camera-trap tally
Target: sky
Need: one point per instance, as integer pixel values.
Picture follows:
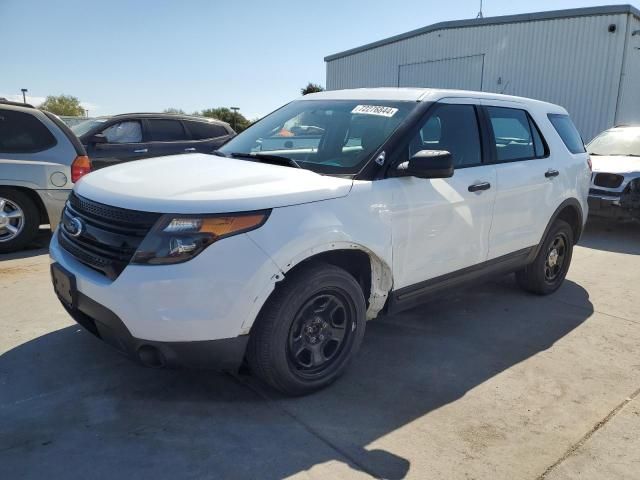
(147, 55)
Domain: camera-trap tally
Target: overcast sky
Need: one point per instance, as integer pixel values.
(146, 55)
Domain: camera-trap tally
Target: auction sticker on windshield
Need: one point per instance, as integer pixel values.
(375, 110)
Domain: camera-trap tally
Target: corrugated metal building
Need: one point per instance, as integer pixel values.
(587, 60)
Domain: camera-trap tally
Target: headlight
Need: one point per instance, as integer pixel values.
(178, 238)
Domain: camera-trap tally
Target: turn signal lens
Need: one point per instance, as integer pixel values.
(80, 166)
(216, 226)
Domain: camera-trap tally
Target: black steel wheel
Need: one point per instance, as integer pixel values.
(320, 333)
(549, 269)
(556, 255)
(309, 330)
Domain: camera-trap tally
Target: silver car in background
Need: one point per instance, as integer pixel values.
(615, 183)
(40, 160)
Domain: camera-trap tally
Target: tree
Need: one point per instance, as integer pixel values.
(173, 110)
(236, 120)
(63, 105)
(311, 88)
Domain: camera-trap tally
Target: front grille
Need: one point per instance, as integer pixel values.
(608, 180)
(109, 236)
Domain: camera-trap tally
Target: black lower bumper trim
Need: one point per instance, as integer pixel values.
(604, 208)
(224, 354)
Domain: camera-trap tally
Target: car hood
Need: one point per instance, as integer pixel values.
(615, 164)
(199, 183)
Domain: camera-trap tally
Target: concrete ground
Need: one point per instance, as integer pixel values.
(489, 383)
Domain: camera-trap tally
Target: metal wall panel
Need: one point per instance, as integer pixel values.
(574, 62)
(464, 73)
(629, 101)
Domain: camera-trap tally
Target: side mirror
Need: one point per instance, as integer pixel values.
(427, 164)
(98, 138)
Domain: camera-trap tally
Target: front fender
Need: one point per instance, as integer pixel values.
(298, 233)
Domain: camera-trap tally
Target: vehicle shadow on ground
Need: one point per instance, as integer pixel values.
(39, 246)
(612, 236)
(72, 408)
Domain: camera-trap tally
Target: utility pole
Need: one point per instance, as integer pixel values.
(235, 116)
(480, 14)
(24, 95)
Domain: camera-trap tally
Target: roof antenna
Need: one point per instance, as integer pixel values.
(480, 14)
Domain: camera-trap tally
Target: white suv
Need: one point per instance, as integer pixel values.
(333, 209)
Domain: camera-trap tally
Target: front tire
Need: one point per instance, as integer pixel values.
(19, 220)
(549, 269)
(309, 330)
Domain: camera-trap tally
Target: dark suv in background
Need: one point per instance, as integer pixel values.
(134, 136)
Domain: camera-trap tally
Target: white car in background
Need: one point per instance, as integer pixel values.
(615, 184)
(278, 252)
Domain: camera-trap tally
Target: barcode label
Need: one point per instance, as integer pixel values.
(375, 110)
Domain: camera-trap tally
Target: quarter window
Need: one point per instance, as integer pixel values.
(516, 137)
(453, 128)
(204, 130)
(166, 130)
(124, 132)
(568, 132)
(23, 133)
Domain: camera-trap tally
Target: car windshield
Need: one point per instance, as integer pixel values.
(83, 127)
(621, 141)
(326, 136)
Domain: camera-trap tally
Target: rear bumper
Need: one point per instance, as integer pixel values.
(53, 201)
(225, 354)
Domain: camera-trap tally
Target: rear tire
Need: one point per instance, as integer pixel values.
(309, 330)
(19, 220)
(549, 269)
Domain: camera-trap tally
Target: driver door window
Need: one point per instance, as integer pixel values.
(453, 128)
(124, 132)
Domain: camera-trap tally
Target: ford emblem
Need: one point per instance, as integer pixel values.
(74, 226)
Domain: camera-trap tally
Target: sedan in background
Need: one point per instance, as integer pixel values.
(134, 136)
(615, 183)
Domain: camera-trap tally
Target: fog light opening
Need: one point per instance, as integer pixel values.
(151, 356)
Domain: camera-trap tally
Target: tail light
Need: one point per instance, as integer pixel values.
(80, 167)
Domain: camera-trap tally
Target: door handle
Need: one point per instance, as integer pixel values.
(551, 173)
(141, 150)
(478, 187)
(190, 149)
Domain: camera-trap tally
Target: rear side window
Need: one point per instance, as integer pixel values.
(568, 132)
(166, 130)
(204, 130)
(516, 136)
(23, 133)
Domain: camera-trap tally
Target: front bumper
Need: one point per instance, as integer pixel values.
(224, 354)
(611, 208)
(181, 309)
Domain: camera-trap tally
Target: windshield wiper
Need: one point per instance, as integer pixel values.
(265, 158)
